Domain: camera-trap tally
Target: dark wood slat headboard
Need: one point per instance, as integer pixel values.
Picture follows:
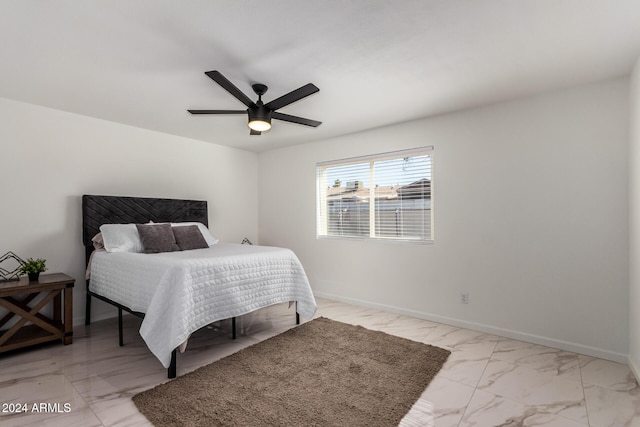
(98, 210)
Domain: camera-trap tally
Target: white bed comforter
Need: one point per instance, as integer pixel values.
(180, 292)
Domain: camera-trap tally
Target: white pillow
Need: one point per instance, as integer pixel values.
(208, 237)
(121, 238)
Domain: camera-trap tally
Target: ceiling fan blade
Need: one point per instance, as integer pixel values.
(295, 119)
(293, 96)
(217, 77)
(217, 111)
(255, 132)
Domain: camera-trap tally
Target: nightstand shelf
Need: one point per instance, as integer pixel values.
(52, 288)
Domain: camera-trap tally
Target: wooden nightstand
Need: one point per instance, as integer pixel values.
(52, 287)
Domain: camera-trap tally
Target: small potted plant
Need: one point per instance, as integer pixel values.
(33, 268)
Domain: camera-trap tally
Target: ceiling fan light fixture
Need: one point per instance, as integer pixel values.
(259, 118)
(260, 125)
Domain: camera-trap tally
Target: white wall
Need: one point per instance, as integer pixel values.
(531, 218)
(51, 158)
(634, 223)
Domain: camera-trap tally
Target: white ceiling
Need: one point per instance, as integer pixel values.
(141, 62)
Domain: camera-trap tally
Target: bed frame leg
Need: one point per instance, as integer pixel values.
(120, 338)
(297, 314)
(233, 328)
(87, 309)
(171, 372)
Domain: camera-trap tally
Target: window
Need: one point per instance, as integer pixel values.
(384, 196)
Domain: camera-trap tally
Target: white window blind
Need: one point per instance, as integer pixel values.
(383, 196)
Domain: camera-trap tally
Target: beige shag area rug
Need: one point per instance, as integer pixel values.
(321, 373)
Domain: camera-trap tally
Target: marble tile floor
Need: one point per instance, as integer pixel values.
(487, 381)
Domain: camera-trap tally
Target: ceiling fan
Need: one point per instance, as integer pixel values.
(260, 114)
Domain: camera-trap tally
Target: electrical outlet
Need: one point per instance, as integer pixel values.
(464, 297)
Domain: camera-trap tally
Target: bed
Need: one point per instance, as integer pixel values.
(177, 293)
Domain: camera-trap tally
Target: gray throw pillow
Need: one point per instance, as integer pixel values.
(189, 237)
(157, 238)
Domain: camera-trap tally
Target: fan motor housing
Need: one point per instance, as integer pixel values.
(260, 112)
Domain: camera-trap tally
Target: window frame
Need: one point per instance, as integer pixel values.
(322, 219)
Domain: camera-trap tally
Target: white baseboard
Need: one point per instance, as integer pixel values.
(507, 333)
(97, 316)
(634, 368)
